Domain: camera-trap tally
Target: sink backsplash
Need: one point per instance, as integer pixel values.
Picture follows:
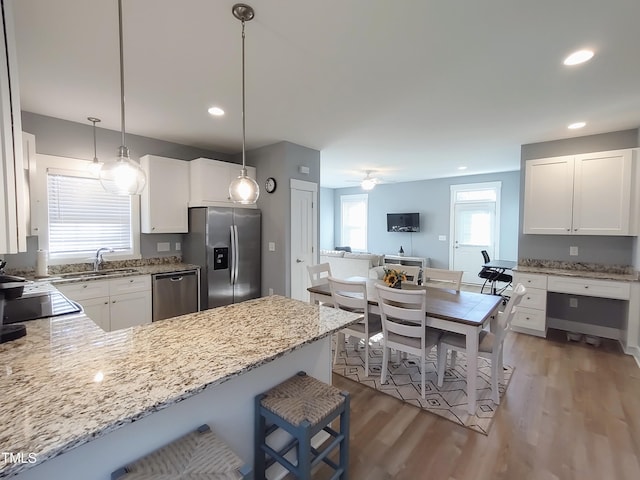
(107, 265)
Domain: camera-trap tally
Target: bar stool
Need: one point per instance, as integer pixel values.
(200, 454)
(302, 406)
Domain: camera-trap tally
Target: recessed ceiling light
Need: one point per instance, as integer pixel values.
(216, 111)
(577, 125)
(580, 56)
(462, 168)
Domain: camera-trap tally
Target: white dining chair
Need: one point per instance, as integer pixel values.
(490, 344)
(404, 317)
(412, 272)
(441, 278)
(352, 296)
(319, 274)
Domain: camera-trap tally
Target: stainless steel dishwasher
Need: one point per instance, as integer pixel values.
(174, 294)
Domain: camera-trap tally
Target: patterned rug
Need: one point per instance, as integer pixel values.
(403, 382)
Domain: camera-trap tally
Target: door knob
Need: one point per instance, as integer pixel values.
(299, 261)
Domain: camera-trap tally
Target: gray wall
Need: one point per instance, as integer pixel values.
(592, 249)
(431, 198)
(280, 161)
(75, 140)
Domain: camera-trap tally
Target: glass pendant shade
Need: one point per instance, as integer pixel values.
(244, 189)
(123, 176)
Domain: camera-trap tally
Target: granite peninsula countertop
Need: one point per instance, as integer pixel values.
(68, 382)
(578, 269)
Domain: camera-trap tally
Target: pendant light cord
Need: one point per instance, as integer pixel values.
(122, 124)
(244, 167)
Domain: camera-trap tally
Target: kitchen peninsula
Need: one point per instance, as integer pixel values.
(97, 400)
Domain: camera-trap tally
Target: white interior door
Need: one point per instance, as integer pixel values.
(474, 227)
(304, 224)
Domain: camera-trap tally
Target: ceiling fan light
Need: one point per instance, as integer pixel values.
(578, 57)
(368, 184)
(244, 189)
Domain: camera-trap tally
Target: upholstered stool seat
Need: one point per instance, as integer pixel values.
(302, 406)
(200, 454)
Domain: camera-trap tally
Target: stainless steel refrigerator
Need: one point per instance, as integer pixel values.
(226, 243)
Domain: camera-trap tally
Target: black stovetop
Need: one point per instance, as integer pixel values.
(38, 305)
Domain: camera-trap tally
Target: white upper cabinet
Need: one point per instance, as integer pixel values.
(165, 199)
(13, 235)
(210, 181)
(586, 194)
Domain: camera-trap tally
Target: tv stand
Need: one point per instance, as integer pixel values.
(421, 262)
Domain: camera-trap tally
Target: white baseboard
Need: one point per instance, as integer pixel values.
(634, 352)
(585, 328)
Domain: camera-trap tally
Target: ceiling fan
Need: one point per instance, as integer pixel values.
(368, 182)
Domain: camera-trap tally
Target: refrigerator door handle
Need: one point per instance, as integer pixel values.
(236, 256)
(232, 267)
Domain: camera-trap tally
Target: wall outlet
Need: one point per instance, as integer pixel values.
(573, 251)
(442, 238)
(178, 246)
(272, 246)
(573, 302)
(163, 246)
(271, 291)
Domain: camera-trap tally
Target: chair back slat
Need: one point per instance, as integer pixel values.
(349, 295)
(505, 318)
(319, 274)
(411, 271)
(450, 278)
(403, 312)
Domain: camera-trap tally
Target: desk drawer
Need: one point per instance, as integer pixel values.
(535, 298)
(529, 318)
(590, 287)
(530, 280)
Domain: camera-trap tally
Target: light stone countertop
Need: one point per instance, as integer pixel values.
(68, 382)
(568, 272)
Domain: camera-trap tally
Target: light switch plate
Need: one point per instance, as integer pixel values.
(573, 251)
(178, 246)
(442, 238)
(573, 302)
(163, 246)
(272, 246)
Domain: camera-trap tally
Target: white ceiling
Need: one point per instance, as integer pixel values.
(411, 89)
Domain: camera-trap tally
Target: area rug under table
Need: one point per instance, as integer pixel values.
(403, 382)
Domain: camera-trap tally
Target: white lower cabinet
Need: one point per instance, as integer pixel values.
(531, 316)
(113, 304)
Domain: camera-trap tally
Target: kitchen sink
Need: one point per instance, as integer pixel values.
(99, 273)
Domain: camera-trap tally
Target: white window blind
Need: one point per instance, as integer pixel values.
(84, 217)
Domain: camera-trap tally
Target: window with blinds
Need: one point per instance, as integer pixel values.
(83, 217)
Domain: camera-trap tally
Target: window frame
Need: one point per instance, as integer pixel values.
(354, 198)
(40, 208)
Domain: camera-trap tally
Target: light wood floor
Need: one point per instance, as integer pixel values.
(571, 411)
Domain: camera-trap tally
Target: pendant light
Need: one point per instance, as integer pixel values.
(244, 189)
(122, 176)
(95, 165)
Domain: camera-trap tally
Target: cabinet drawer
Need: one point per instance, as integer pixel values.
(137, 283)
(85, 290)
(529, 318)
(590, 287)
(530, 280)
(535, 298)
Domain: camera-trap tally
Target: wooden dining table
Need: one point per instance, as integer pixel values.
(450, 310)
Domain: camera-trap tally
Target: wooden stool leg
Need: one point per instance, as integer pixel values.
(259, 464)
(344, 445)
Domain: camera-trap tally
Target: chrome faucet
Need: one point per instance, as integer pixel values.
(98, 260)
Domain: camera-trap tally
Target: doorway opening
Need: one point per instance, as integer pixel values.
(474, 226)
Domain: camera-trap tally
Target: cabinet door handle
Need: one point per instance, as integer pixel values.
(586, 286)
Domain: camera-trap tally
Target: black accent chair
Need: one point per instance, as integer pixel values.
(492, 276)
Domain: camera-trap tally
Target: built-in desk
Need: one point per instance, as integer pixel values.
(532, 316)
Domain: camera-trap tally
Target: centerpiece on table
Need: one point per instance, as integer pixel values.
(393, 278)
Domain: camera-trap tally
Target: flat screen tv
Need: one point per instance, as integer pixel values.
(403, 222)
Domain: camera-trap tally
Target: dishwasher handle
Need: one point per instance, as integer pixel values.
(174, 276)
